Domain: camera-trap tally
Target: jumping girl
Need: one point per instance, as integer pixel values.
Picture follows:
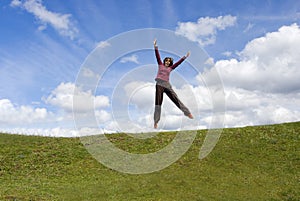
(163, 85)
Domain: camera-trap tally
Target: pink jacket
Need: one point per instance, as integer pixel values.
(163, 71)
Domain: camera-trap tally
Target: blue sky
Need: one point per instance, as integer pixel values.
(43, 45)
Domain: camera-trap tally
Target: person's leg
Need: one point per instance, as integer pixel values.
(158, 102)
(173, 96)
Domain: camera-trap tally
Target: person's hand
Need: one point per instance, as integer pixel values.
(188, 54)
(155, 42)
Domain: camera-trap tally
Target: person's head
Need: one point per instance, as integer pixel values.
(168, 61)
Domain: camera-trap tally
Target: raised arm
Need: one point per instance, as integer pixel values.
(181, 60)
(157, 55)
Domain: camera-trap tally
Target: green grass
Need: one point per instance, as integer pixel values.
(251, 163)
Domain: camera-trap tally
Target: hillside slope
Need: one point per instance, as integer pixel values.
(251, 163)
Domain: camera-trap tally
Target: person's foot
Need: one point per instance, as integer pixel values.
(190, 116)
(155, 125)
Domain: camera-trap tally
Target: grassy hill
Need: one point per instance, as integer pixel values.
(251, 163)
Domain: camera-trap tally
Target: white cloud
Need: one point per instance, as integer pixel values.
(102, 116)
(140, 94)
(63, 95)
(209, 62)
(30, 120)
(269, 64)
(262, 86)
(275, 114)
(103, 44)
(133, 58)
(60, 22)
(204, 31)
(15, 3)
(11, 114)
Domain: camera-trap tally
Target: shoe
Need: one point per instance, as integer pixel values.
(155, 125)
(190, 116)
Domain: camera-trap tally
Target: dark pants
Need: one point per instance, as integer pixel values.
(161, 87)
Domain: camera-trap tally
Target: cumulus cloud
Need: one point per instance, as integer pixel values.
(262, 86)
(140, 94)
(275, 114)
(11, 114)
(62, 97)
(102, 116)
(30, 120)
(73, 103)
(268, 64)
(60, 22)
(204, 31)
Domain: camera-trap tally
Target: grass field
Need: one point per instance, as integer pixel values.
(251, 163)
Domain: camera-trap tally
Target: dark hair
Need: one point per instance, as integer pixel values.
(169, 58)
